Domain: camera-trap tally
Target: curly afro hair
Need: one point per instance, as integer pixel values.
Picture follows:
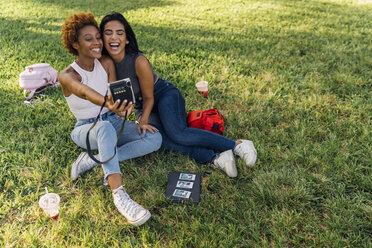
(71, 27)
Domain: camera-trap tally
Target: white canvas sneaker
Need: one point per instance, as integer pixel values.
(226, 162)
(246, 151)
(135, 213)
(82, 164)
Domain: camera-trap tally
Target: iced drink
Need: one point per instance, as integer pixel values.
(50, 204)
(202, 87)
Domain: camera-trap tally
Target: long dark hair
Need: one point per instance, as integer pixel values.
(132, 46)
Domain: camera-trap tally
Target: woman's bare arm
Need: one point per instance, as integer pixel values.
(146, 81)
(70, 82)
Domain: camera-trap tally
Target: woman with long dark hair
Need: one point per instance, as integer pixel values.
(161, 106)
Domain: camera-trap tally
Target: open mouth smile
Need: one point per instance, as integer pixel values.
(114, 45)
(96, 50)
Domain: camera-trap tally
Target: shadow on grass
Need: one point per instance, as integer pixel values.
(97, 8)
(287, 49)
(325, 47)
(281, 50)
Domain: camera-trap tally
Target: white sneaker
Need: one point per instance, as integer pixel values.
(246, 151)
(226, 162)
(135, 213)
(82, 164)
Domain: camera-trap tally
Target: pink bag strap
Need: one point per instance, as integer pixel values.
(38, 90)
(32, 92)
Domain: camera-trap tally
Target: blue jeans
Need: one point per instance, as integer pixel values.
(103, 138)
(169, 116)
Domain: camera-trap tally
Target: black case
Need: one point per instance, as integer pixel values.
(122, 89)
(173, 177)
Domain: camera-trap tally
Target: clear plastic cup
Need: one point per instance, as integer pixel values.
(202, 87)
(50, 204)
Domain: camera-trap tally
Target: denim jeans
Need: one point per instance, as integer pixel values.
(169, 116)
(103, 138)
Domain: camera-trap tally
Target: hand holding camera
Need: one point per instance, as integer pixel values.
(122, 90)
(122, 97)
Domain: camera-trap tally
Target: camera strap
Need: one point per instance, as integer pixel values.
(94, 123)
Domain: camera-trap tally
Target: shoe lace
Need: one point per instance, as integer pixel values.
(239, 149)
(245, 151)
(220, 162)
(130, 207)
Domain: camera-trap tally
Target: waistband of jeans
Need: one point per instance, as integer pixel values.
(102, 117)
(161, 82)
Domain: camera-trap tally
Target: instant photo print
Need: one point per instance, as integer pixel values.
(183, 186)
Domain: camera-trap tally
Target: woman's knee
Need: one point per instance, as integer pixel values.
(104, 130)
(104, 126)
(154, 140)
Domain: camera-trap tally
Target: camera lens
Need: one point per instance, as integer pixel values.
(128, 84)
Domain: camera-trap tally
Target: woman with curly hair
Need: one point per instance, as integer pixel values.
(84, 84)
(161, 106)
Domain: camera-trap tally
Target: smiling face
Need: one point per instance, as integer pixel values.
(115, 40)
(89, 43)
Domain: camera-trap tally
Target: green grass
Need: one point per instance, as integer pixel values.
(293, 76)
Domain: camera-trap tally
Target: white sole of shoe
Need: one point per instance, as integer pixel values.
(231, 171)
(141, 220)
(253, 157)
(74, 168)
(252, 162)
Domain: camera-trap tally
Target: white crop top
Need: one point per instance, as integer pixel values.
(97, 80)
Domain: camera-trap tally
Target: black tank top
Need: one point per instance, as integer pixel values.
(127, 68)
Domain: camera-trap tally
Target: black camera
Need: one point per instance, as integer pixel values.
(122, 90)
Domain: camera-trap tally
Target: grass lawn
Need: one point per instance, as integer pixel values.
(293, 76)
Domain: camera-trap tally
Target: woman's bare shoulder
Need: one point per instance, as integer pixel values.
(68, 73)
(142, 63)
(142, 59)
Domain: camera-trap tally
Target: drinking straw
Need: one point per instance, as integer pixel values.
(46, 190)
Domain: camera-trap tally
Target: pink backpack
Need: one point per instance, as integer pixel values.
(37, 76)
